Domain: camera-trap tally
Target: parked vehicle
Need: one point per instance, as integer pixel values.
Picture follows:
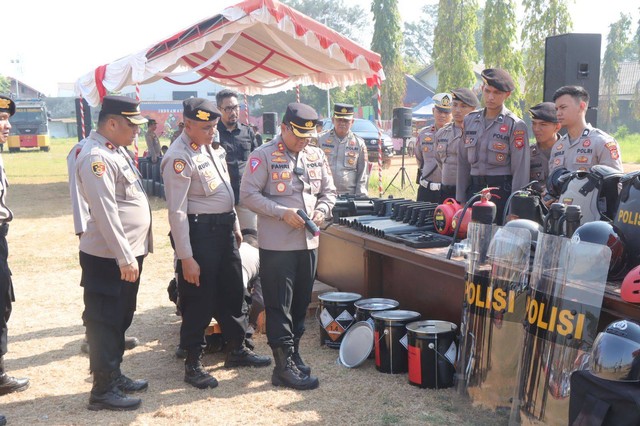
(29, 126)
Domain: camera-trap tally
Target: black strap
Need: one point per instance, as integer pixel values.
(593, 412)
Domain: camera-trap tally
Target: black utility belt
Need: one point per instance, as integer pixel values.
(4, 229)
(228, 218)
(491, 180)
(447, 188)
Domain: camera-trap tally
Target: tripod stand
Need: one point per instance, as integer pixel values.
(402, 172)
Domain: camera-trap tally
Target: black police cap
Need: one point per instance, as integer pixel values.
(342, 110)
(302, 119)
(7, 105)
(122, 105)
(545, 111)
(466, 96)
(498, 78)
(199, 109)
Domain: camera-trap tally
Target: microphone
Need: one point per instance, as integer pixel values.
(308, 223)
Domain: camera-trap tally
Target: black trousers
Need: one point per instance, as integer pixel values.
(287, 282)
(425, 194)
(447, 191)
(221, 291)
(109, 305)
(6, 294)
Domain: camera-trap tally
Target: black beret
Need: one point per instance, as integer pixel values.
(152, 121)
(127, 107)
(342, 110)
(199, 109)
(467, 96)
(545, 111)
(498, 78)
(302, 119)
(7, 105)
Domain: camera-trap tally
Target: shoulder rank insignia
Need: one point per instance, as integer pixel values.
(110, 146)
(194, 146)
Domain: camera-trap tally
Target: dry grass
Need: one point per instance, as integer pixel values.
(45, 332)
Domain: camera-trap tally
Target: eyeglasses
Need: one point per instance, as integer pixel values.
(231, 108)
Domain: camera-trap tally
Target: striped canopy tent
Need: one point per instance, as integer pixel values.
(254, 47)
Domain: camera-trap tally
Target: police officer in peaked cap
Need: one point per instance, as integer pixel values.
(284, 176)
(346, 153)
(205, 234)
(8, 384)
(112, 248)
(495, 147)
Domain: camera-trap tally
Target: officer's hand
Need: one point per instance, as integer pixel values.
(191, 271)
(292, 219)
(318, 217)
(129, 272)
(238, 234)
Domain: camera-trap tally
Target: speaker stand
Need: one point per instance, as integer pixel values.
(402, 172)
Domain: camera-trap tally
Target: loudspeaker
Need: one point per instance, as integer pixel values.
(269, 123)
(87, 118)
(572, 60)
(401, 125)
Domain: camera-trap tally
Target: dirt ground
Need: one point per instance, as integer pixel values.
(45, 333)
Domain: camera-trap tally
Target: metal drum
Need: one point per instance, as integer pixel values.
(336, 314)
(432, 353)
(391, 339)
(364, 308)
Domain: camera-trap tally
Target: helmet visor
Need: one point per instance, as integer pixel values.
(615, 358)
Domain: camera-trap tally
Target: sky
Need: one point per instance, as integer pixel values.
(51, 42)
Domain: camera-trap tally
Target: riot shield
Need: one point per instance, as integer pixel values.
(562, 311)
(493, 309)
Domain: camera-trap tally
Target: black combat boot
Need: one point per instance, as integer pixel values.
(3, 420)
(194, 373)
(128, 385)
(242, 356)
(129, 343)
(10, 384)
(297, 359)
(287, 374)
(106, 395)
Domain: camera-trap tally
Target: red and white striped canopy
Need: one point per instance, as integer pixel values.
(255, 47)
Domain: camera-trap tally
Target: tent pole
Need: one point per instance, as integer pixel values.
(83, 133)
(297, 93)
(135, 140)
(246, 108)
(379, 142)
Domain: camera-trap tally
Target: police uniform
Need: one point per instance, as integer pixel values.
(493, 153)
(202, 219)
(447, 142)
(592, 147)
(277, 180)
(118, 234)
(429, 173)
(153, 144)
(79, 205)
(539, 169)
(347, 157)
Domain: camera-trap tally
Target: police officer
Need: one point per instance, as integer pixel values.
(429, 173)
(153, 143)
(8, 384)
(238, 140)
(205, 234)
(284, 176)
(583, 146)
(495, 148)
(80, 209)
(346, 153)
(545, 127)
(112, 248)
(448, 139)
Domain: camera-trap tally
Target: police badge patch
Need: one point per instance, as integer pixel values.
(178, 165)
(254, 163)
(98, 168)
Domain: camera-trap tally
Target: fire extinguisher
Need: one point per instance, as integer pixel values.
(485, 214)
(443, 216)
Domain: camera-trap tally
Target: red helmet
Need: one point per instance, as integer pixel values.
(630, 290)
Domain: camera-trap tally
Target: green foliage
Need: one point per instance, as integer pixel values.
(454, 51)
(5, 87)
(543, 18)
(478, 34)
(617, 42)
(622, 132)
(499, 40)
(629, 148)
(387, 41)
(418, 37)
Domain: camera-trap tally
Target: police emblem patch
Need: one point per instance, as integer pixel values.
(500, 157)
(254, 163)
(280, 187)
(519, 142)
(582, 159)
(504, 128)
(312, 174)
(98, 168)
(178, 165)
(586, 143)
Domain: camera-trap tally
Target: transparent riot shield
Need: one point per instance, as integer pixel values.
(562, 311)
(493, 309)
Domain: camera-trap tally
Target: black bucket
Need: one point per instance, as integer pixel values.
(433, 351)
(336, 314)
(364, 308)
(391, 339)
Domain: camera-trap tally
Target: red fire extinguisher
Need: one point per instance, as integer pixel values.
(443, 216)
(484, 211)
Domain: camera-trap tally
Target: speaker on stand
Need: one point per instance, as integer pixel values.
(401, 128)
(269, 125)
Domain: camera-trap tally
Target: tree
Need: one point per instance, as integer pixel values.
(543, 18)
(418, 36)
(617, 42)
(387, 41)
(453, 48)
(499, 44)
(5, 87)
